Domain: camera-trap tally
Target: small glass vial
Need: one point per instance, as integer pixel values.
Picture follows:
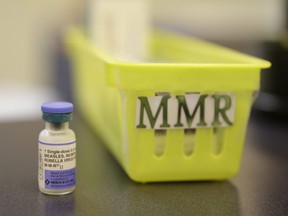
(57, 150)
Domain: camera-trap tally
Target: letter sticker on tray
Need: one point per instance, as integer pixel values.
(185, 111)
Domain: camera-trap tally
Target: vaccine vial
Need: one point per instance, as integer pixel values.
(57, 150)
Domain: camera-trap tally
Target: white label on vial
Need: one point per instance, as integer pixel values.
(57, 164)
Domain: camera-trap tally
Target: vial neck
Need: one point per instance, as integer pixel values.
(56, 126)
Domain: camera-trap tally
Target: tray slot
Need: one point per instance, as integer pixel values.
(189, 141)
(218, 140)
(160, 142)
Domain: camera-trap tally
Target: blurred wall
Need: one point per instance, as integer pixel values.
(28, 33)
(229, 20)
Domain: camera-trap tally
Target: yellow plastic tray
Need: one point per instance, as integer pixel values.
(106, 91)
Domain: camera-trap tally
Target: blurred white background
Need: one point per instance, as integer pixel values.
(231, 20)
(31, 35)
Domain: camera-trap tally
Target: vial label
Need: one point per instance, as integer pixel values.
(57, 164)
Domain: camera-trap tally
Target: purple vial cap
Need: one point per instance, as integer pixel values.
(57, 107)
